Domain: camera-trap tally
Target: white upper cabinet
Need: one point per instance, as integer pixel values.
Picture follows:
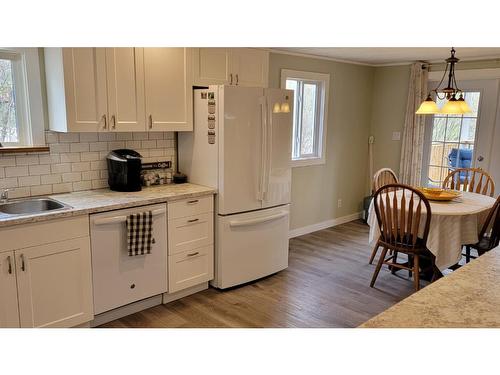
(211, 66)
(230, 66)
(251, 67)
(9, 313)
(119, 89)
(76, 89)
(168, 88)
(125, 83)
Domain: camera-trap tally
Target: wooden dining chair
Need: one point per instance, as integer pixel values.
(381, 178)
(399, 212)
(489, 237)
(470, 179)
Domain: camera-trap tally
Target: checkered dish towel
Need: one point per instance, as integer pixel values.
(139, 233)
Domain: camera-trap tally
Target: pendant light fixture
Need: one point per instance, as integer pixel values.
(455, 104)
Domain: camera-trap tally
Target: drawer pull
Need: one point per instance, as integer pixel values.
(10, 264)
(193, 201)
(193, 254)
(193, 220)
(23, 265)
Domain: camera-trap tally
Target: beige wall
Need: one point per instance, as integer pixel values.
(316, 189)
(390, 93)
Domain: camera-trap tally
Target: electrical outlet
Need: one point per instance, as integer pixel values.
(396, 136)
(339, 203)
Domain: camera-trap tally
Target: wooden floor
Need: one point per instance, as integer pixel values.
(325, 285)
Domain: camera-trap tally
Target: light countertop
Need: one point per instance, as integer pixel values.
(468, 297)
(100, 200)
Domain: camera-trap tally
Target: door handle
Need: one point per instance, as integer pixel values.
(151, 121)
(193, 220)
(23, 265)
(259, 220)
(193, 254)
(105, 121)
(480, 158)
(10, 264)
(113, 120)
(231, 78)
(237, 79)
(193, 201)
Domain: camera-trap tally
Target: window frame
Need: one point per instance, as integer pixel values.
(322, 81)
(29, 104)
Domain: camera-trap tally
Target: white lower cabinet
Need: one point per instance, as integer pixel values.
(54, 284)
(190, 243)
(9, 313)
(45, 274)
(190, 268)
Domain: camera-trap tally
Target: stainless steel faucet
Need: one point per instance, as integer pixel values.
(4, 196)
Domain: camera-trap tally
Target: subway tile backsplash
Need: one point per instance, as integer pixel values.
(77, 161)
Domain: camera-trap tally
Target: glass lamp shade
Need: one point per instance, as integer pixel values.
(453, 107)
(428, 107)
(463, 104)
(276, 108)
(285, 107)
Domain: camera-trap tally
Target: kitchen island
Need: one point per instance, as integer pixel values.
(466, 298)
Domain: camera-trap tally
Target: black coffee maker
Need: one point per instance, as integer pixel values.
(124, 170)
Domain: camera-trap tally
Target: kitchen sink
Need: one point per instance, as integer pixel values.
(31, 206)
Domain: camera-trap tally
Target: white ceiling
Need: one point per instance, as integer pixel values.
(394, 55)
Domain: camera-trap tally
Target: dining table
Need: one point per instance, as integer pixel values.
(453, 224)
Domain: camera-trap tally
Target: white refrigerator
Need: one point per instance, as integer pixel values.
(241, 145)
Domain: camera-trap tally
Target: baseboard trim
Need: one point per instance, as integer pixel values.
(184, 293)
(324, 224)
(129, 309)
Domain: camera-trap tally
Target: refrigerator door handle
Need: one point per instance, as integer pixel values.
(259, 220)
(263, 163)
(269, 146)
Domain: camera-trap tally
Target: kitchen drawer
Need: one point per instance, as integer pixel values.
(190, 207)
(190, 268)
(190, 232)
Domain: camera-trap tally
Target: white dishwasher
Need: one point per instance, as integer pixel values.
(118, 278)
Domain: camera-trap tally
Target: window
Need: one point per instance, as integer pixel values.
(452, 140)
(21, 115)
(310, 114)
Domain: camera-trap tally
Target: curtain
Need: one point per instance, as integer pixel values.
(412, 148)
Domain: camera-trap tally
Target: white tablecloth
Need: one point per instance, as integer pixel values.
(453, 224)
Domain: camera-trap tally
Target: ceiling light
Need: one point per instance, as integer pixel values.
(455, 104)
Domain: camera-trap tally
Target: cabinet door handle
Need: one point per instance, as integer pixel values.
(193, 254)
(193, 201)
(193, 220)
(151, 121)
(23, 265)
(113, 120)
(105, 121)
(10, 264)
(231, 78)
(237, 79)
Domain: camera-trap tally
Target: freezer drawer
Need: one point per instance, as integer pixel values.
(190, 268)
(118, 278)
(251, 245)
